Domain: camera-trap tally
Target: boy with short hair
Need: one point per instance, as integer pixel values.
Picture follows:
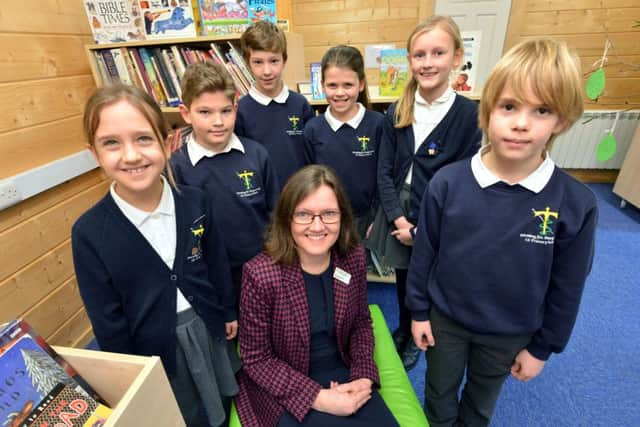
(272, 114)
(504, 241)
(235, 171)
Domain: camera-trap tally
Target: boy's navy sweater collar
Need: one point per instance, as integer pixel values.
(535, 182)
(265, 100)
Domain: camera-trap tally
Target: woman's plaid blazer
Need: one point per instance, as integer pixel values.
(275, 337)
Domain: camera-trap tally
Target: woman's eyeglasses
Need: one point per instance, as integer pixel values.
(306, 218)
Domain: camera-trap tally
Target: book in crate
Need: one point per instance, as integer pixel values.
(39, 388)
(159, 68)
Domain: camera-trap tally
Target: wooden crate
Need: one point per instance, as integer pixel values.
(627, 184)
(136, 387)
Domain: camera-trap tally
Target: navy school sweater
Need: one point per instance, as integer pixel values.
(456, 137)
(503, 260)
(353, 153)
(279, 127)
(128, 290)
(243, 191)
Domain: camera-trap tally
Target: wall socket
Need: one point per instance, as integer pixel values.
(9, 194)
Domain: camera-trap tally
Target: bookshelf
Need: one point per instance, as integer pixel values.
(293, 71)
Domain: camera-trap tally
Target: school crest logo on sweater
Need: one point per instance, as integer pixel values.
(246, 176)
(545, 233)
(197, 231)
(364, 147)
(294, 121)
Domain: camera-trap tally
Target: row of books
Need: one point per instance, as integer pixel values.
(159, 70)
(113, 21)
(39, 388)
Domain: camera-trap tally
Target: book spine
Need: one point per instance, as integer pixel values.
(187, 55)
(173, 75)
(239, 61)
(121, 66)
(135, 55)
(217, 53)
(165, 84)
(237, 82)
(102, 68)
(179, 61)
(131, 68)
(165, 78)
(239, 73)
(153, 78)
(110, 65)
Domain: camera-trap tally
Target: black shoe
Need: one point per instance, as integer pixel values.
(410, 355)
(400, 339)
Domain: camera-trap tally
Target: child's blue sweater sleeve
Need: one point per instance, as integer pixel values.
(572, 263)
(219, 268)
(386, 158)
(102, 301)
(425, 250)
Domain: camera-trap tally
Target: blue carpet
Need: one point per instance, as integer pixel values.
(596, 380)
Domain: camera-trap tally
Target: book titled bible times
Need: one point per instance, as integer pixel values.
(114, 21)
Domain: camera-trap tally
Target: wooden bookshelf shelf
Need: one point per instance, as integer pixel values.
(293, 71)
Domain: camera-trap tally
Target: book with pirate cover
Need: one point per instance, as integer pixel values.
(39, 387)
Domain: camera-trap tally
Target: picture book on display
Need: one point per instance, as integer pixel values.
(114, 21)
(262, 10)
(316, 81)
(167, 18)
(465, 79)
(38, 388)
(394, 71)
(221, 17)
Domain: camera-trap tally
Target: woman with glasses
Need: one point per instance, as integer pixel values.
(305, 339)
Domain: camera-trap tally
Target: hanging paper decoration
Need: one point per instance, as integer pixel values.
(595, 84)
(606, 148)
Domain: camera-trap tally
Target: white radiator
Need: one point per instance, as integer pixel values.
(576, 148)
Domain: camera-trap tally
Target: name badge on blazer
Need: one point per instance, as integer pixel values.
(342, 275)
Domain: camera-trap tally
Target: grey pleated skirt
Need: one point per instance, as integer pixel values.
(205, 372)
(389, 249)
(362, 222)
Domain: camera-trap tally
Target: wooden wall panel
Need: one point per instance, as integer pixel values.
(28, 56)
(585, 25)
(43, 201)
(33, 282)
(37, 236)
(57, 307)
(326, 23)
(67, 334)
(579, 21)
(23, 149)
(42, 101)
(44, 17)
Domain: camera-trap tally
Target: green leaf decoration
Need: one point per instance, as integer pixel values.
(606, 148)
(595, 84)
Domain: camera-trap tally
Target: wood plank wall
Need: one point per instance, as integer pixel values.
(326, 23)
(44, 82)
(585, 25)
